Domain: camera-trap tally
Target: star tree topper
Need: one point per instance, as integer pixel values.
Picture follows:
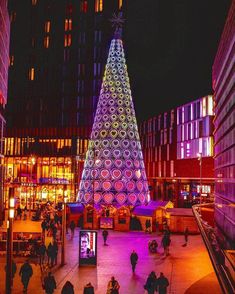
(117, 22)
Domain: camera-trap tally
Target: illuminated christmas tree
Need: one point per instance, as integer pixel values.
(114, 171)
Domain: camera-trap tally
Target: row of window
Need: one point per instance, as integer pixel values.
(162, 121)
(17, 146)
(195, 110)
(160, 169)
(84, 6)
(191, 148)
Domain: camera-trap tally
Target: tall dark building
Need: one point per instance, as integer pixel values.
(58, 51)
(4, 62)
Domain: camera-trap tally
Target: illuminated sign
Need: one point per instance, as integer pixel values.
(87, 248)
(62, 181)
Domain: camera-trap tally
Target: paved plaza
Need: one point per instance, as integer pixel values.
(188, 269)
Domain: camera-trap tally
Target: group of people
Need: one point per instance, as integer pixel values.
(156, 284)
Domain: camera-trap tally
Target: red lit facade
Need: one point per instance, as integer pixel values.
(171, 144)
(4, 63)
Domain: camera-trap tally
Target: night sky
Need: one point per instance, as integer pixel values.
(170, 49)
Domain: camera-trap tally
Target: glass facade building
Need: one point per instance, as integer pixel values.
(172, 142)
(224, 134)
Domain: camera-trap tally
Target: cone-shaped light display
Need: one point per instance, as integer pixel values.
(114, 171)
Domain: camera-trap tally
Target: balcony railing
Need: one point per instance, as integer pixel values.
(222, 263)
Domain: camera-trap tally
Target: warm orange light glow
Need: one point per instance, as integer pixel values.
(46, 41)
(47, 26)
(31, 74)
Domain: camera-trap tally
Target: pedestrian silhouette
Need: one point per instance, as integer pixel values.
(67, 288)
(88, 289)
(113, 286)
(134, 259)
(162, 284)
(150, 284)
(72, 228)
(26, 272)
(105, 236)
(49, 284)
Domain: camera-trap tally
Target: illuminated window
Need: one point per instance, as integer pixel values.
(83, 6)
(204, 106)
(34, 2)
(12, 60)
(31, 74)
(67, 40)
(120, 4)
(47, 26)
(68, 24)
(46, 41)
(210, 105)
(98, 5)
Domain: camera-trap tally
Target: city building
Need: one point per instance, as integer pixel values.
(178, 153)
(224, 133)
(58, 50)
(4, 63)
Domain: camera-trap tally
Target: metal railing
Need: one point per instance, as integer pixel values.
(216, 254)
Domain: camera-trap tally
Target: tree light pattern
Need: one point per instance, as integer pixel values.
(114, 171)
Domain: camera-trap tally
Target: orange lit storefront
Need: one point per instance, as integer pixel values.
(37, 179)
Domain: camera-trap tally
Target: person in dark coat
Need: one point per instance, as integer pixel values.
(67, 288)
(26, 272)
(88, 289)
(166, 243)
(150, 284)
(148, 226)
(49, 254)
(54, 252)
(186, 233)
(105, 236)
(134, 259)
(42, 252)
(49, 284)
(162, 284)
(72, 228)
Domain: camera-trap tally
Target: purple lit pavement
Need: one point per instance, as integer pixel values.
(188, 269)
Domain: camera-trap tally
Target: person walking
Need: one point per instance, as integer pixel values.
(49, 284)
(42, 253)
(67, 288)
(72, 228)
(134, 259)
(186, 233)
(54, 253)
(162, 284)
(166, 243)
(49, 254)
(150, 284)
(105, 234)
(26, 272)
(113, 286)
(88, 289)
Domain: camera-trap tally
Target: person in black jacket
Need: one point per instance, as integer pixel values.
(162, 284)
(26, 272)
(88, 289)
(134, 259)
(105, 236)
(67, 288)
(49, 284)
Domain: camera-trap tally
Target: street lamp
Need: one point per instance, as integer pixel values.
(63, 232)
(199, 157)
(11, 212)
